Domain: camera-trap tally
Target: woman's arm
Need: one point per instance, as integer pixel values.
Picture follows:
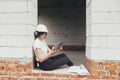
(43, 58)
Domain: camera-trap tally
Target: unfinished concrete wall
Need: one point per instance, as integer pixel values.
(17, 21)
(103, 25)
(64, 24)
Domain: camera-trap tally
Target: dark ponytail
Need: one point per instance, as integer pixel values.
(37, 34)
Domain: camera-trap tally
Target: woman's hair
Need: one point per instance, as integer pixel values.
(37, 34)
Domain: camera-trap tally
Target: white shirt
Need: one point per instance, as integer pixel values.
(42, 45)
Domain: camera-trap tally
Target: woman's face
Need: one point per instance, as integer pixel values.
(43, 36)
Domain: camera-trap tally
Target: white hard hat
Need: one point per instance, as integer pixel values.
(41, 28)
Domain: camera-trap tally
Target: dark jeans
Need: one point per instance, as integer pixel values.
(55, 62)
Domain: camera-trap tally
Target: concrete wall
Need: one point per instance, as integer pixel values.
(18, 19)
(103, 25)
(64, 24)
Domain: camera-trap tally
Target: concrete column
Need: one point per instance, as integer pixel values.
(103, 29)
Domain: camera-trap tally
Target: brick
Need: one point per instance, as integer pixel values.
(7, 73)
(1, 72)
(94, 65)
(47, 74)
(12, 78)
(55, 78)
(111, 68)
(20, 70)
(94, 72)
(34, 79)
(6, 68)
(13, 69)
(27, 74)
(77, 76)
(119, 64)
(63, 75)
(10, 61)
(101, 72)
(93, 77)
(5, 78)
(18, 74)
(109, 77)
(16, 61)
(100, 67)
(48, 79)
(2, 61)
(12, 65)
(20, 66)
(113, 72)
(28, 66)
(36, 74)
(119, 73)
(118, 77)
(2, 64)
(113, 64)
(1, 68)
(27, 79)
(40, 79)
(28, 70)
(105, 63)
(19, 78)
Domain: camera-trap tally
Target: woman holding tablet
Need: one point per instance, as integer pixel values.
(44, 55)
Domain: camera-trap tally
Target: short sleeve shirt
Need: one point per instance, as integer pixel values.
(42, 45)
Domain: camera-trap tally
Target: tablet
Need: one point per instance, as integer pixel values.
(58, 46)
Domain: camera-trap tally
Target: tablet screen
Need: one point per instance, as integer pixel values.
(58, 46)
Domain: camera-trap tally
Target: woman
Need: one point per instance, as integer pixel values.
(44, 55)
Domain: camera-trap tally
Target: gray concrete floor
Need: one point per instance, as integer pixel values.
(78, 57)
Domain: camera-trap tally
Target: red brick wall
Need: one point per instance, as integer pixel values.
(104, 69)
(12, 69)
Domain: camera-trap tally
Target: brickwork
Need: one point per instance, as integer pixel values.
(14, 69)
(104, 69)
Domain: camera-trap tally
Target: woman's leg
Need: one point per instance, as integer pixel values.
(55, 62)
(70, 63)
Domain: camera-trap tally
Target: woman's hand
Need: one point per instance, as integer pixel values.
(53, 47)
(52, 51)
(61, 48)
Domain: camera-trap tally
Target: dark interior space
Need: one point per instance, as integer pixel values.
(65, 20)
(61, 3)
